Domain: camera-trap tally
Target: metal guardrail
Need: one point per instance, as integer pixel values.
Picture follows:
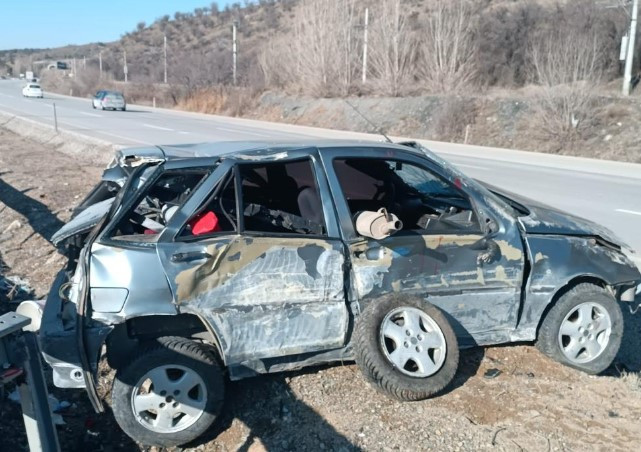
(20, 363)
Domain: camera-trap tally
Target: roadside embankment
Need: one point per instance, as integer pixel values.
(87, 149)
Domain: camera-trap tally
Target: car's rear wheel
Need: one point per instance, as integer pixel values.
(170, 394)
(583, 329)
(405, 347)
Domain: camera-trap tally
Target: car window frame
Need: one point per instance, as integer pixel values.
(239, 195)
(107, 238)
(386, 154)
(191, 208)
(211, 194)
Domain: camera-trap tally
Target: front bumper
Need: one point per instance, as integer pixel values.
(58, 341)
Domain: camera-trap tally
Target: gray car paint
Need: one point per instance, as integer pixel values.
(264, 298)
(83, 222)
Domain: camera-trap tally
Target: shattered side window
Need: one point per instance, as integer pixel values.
(422, 200)
(158, 204)
(217, 214)
(281, 197)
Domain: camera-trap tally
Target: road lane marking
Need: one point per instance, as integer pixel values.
(241, 132)
(157, 127)
(227, 130)
(90, 114)
(183, 133)
(124, 138)
(632, 212)
(465, 165)
(75, 128)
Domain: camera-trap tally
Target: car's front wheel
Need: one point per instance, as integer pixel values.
(170, 395)
(583, 329)
(405, 347)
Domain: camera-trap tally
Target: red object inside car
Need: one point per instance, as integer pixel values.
(204, 223)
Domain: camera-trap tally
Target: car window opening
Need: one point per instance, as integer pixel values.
(402, 196)
(158, 204)
(276, 198)
(217, 214)
(281, 198)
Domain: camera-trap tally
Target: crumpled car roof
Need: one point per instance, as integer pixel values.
(254, 148)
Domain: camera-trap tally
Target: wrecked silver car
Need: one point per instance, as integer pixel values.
(189, 265)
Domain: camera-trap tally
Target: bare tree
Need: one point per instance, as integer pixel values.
(449, 46)
(320, 58)
(194, 71)
(392, 49)
(568, 63)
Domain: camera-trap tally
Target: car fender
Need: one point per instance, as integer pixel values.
(558, 261)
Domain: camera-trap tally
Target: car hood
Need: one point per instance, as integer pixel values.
(543, 219)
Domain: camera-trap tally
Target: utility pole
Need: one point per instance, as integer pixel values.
(84, 63)
(629, 59)
(365, 45)
(234, 49)
(165, 54)
(125, 69)
(100, 62)
(74, 67)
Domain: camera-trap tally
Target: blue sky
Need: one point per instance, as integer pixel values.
(54, 23)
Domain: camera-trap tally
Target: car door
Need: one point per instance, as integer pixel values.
(267, 278)
(443, 250)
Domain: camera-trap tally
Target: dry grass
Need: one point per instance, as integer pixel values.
(631, 379)
(220, 100)
(455, 115)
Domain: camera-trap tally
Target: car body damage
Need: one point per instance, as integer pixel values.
(254, 246)
(558, 261)
(264, 298)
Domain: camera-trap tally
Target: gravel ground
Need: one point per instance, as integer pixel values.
(532, 404)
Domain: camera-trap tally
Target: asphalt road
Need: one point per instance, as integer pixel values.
(608, 193)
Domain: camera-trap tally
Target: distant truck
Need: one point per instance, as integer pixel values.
(60, 65)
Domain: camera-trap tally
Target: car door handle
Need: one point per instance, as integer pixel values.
(190, 256)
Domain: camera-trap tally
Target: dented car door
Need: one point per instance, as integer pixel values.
(265, 291)
(473, 273)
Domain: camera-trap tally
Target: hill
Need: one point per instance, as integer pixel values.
(558, 59)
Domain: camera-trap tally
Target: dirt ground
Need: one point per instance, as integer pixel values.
(533, 404)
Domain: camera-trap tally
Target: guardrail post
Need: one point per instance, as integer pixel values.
(20, 364)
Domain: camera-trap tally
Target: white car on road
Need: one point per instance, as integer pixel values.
(32, 90)
(112, 100)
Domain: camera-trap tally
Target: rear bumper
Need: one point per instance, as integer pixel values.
(58, 341)
(113, 105)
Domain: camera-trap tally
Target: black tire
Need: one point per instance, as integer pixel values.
(548, 337)
(378, 368)
(124, 108)
(167, 351)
